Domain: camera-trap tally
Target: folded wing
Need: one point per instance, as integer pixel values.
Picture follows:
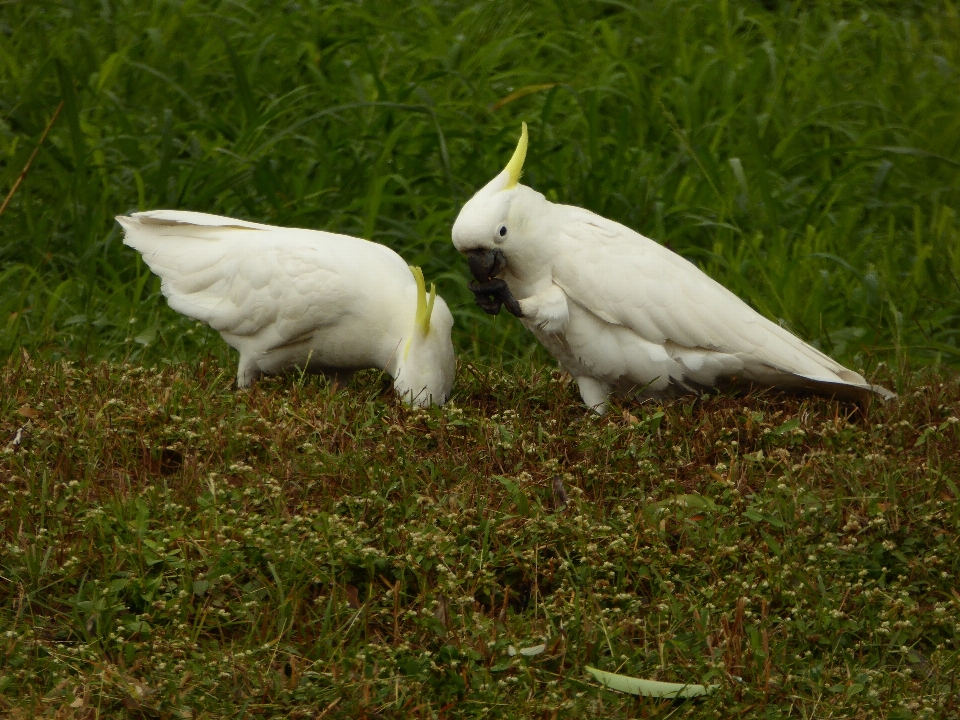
(629, 280)
(241, 277)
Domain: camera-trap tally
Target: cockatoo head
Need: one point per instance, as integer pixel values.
(426, 363)
(492, 226)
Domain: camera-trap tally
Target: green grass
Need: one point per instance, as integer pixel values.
(176, 548)
(172, 547)
(807, 156)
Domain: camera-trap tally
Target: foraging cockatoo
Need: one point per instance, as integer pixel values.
(621, 313)
(289, 298)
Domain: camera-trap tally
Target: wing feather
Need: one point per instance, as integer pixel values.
(629, 280)
(242, 278)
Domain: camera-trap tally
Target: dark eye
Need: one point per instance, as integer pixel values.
(502, 231)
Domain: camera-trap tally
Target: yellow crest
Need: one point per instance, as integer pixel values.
(424, 305)
(515, 166)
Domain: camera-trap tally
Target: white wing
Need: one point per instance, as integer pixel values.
(243, 278)
(629, 280)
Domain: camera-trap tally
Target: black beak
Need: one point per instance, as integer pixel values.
(486, 264)
(490, 291)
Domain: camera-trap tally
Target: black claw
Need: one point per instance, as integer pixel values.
(511, 303)
(487, 296)
(493, 294)
(490, 305)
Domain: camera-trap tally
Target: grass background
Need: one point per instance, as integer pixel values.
(805, 154)
(174, 548)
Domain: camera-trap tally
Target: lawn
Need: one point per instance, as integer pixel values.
(171, 546)
(182, 549)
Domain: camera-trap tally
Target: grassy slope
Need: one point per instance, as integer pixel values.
(807, 157)
(173, 545)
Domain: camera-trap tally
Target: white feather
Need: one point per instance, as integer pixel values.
(288, 298)
(624, 314)
(625, 279)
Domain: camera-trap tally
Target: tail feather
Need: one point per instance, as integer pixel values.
(789, 362)
(862, 393)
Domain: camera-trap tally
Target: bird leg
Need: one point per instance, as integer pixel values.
(547, 310)
(594, 393)
(493, 294)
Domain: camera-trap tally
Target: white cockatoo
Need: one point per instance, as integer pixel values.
(289, 298)
(621, 313)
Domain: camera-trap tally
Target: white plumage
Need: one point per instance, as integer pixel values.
(622, 313)
(288, 298)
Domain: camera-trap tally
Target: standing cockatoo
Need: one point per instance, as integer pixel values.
(621, 313)
(289, 298)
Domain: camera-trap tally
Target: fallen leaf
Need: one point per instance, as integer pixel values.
(648, 688)
(441, 612)
(526, 652)
(28, 412)
(560, 493)
(353, 596)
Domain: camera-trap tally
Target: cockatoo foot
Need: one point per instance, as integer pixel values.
(493, 294)
(490, 291)
(247, 372)
(594, 393)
